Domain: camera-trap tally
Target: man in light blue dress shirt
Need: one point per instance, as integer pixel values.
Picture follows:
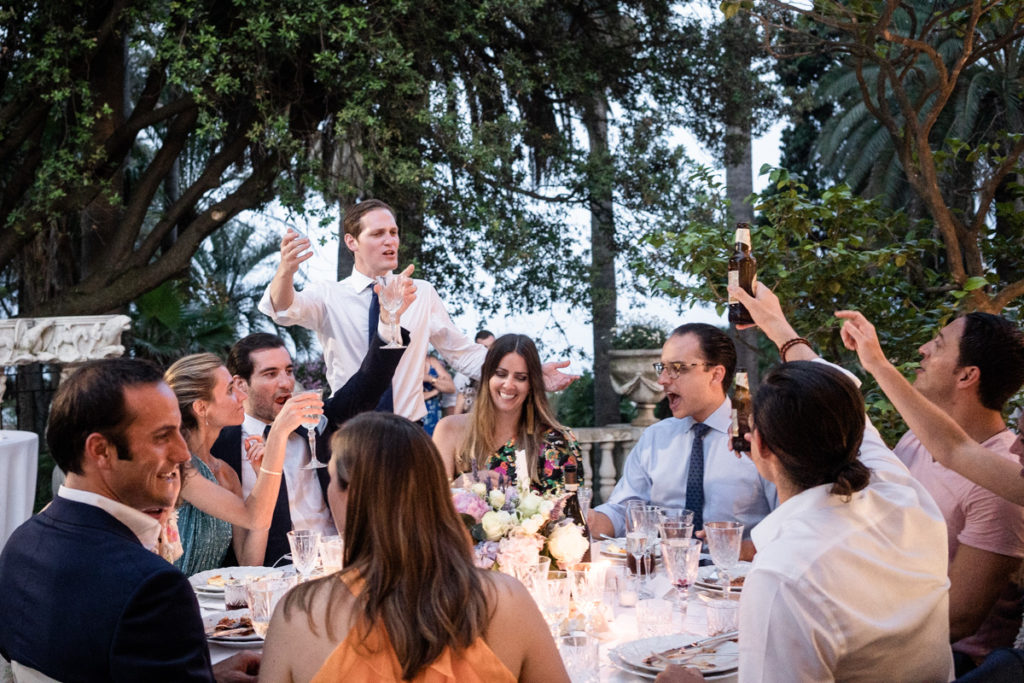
(698, 362)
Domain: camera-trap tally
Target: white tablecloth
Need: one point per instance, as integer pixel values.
(622, 629)
(19, 454)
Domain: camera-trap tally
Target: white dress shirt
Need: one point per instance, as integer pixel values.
(145, 528)
(339, 314)
(656, 470)
(850, 591)
(305, 497)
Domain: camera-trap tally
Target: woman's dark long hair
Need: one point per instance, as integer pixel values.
(404, 538)
(536, 417)
(811, 416)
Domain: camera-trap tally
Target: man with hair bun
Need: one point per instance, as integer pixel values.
(849, 580)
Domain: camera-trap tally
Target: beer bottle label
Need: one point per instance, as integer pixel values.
(734, 281)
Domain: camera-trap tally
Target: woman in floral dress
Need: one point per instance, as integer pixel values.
(510, 414)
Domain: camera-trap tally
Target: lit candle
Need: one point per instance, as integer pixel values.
(522, 471)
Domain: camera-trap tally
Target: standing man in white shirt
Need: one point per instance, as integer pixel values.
(339, 312)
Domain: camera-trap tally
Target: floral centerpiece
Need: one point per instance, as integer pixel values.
(513, 526)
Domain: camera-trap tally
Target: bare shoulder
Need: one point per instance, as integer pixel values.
(449, 432)
(227, 477)
(306, 628)
(518, 634)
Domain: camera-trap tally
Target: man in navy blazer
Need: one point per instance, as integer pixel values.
(83, 596)
(262, 366)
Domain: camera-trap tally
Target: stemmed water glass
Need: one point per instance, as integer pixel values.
(305, 545)
(315, 423)
(682, 559)
(724, 540)
(392, 294)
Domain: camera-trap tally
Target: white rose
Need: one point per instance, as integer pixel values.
(546, 506)
(479, 489)
(530, 504)
(496, 498)
(567, 544)
(495, 524)
(532, 524)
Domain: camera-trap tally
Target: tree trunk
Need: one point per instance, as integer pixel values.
(603, 295)
(739, 184)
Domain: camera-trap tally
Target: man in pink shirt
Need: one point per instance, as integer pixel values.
(969, 370)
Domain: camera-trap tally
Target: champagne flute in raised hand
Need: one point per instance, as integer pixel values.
(724, 540)
(392, 295)
(315, 423)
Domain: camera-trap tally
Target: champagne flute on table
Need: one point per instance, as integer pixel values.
(724, 540)
(314, 423)
(391, 297)
(636, 546)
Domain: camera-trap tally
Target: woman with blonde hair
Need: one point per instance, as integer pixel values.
(410, 604)
(510, 413)
(214, 514)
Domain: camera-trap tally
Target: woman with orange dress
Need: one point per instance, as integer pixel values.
(410, 604)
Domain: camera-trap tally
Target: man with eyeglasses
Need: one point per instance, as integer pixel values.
(685, 461)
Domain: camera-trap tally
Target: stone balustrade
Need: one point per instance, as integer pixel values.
(604, 449)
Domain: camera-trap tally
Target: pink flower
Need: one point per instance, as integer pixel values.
(469, 503)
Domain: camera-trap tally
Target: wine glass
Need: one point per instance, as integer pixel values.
(314, 423)
(682, 559)
(392, 294)
(305, 545)
(724, 539)
(552, 595)
(588, 586)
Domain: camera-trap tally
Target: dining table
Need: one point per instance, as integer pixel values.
(19, 462)
(620, 626)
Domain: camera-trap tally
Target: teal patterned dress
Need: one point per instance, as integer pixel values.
(555, 449)
(204, 538)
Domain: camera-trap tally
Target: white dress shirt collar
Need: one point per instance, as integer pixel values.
(720, 420)
(145, 528)
(253, 425)
(358, 281)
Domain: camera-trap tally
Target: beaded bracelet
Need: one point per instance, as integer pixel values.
(791, 343)
(266, 471)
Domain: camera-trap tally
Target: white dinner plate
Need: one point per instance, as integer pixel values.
(201, 581)
(707, 577)
(617, 548)
(720, 658)
(250, 640)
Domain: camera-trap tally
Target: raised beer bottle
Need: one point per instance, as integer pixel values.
(743, 273)
(741, 413)
(572, 510)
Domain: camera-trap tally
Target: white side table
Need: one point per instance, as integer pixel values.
(19, 461)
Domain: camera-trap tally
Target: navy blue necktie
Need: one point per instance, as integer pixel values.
(386, 404)
(695, 476)
(374, 315)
